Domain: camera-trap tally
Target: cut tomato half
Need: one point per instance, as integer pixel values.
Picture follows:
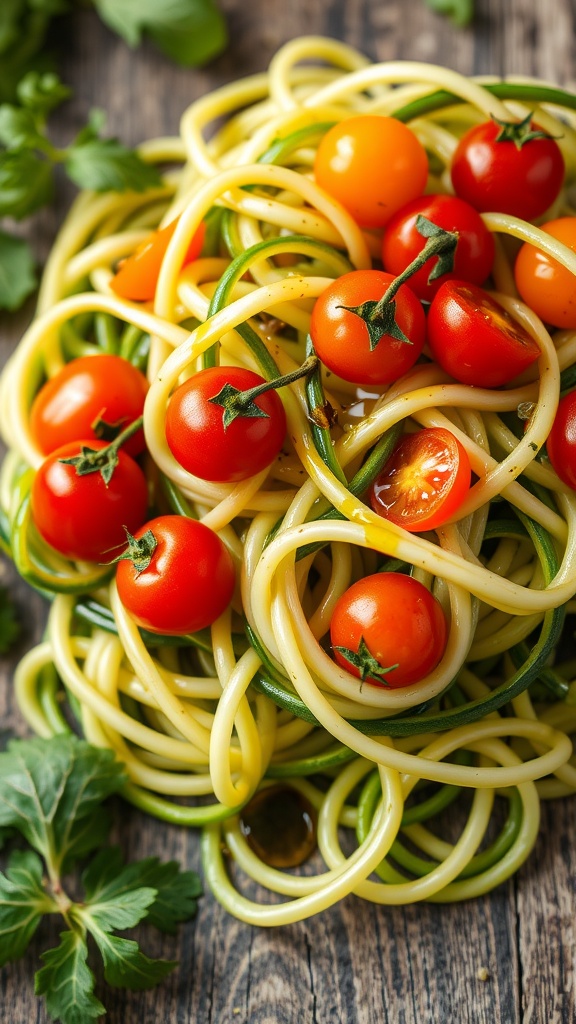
(424, 481)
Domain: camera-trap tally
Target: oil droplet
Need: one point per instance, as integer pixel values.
(279, 824)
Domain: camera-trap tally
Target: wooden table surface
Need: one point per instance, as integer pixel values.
(355, 964)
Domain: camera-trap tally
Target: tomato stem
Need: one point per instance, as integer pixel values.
(380, 317)
(242, 403)
(102, 460)
(440, 243)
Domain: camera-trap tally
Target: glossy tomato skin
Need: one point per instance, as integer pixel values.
(202, 445)
(400, 621)
(81, 516)
(188, 583)
(373, 165)
(137, 275)
(474, 339)
(561, 443)
(86, 389)
(544, 284)
(341, 338)
(424, 482)
(500, 176)
(403, 242)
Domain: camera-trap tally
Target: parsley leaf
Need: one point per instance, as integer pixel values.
(51, 792)
(41, 93)
(47, 797)
(17, 281)
(9, 625)
(190, 32)
(25, 183)
(109, 880)
(461, 12)
(18, 128)
(23, 901)
(67, 982)
(125, 965)
(106, 165)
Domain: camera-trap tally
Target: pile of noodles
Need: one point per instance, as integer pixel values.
(203, 722)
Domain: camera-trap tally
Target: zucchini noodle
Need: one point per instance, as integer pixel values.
(429, 791)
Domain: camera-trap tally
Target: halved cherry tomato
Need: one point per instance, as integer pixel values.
(474, 339)
(341, 337)
(388, 630)
(373, 165)
(544, 284)
(201, 442)
(188, 582)
(561, 443)
(83, 517)
(474, 254)
(424, 481)
(520, 177)
(103, 388)
(137, 276)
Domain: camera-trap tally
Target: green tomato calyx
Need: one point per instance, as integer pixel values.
(102, 460)
(519, 132)
(380, 317)
(367, 665)
(243, 403)
(139, 550)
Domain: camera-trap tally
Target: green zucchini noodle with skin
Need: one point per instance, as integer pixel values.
(204, 721)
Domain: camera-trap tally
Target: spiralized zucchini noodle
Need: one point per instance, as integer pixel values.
(205, 721)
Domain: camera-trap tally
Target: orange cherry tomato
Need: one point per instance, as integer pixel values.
(424, 481)
(373, 165)
(544, 284)
(137, 276)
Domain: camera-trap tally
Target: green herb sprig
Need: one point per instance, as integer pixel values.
(51, 793)
(28, 160)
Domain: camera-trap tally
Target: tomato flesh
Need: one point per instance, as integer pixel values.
(475, 339)
(137, 276)
(188, 583)
(400, 623)
(424, 481)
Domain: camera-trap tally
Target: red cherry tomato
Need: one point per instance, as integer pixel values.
(341, 338)
(544, 284)
(424, 481)
(522, 178)
(373, 165)
(137, 276)
(474, 339)
(403, 242)
(561, 443)
(82, 517)
(88, 389)
(188, 583)
(201, 443)
(388, 621)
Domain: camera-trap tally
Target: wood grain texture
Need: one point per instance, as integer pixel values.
(356, 964)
